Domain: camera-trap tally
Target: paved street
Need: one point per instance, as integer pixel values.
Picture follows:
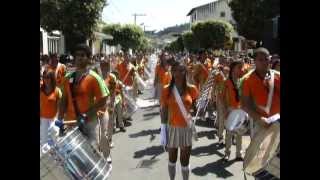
(138, 155)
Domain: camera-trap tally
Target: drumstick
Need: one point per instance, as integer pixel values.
(70, 122)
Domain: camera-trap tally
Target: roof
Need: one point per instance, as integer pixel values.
(103, 36)
(191, 11)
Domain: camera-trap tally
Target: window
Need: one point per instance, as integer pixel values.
(222, 14)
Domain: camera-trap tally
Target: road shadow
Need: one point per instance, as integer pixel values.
(153, 151)
(151, 132)
(218, 168)
(150, 108)
(151, 114)
(207, 150)
(208, 123)
(208, 134)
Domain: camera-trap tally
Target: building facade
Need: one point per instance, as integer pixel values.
(52, 42)
(217, 10)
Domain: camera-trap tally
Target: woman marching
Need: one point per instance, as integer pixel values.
(231, 102)
(177, 99)
(50, 96)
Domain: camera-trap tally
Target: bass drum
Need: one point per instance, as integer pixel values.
(237, 122)
(80, 159)
(262, 151)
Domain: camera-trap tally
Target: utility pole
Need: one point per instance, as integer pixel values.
(135, 17)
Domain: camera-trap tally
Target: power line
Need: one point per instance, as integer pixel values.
(135, 17)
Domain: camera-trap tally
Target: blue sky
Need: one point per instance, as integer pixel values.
(159, 13)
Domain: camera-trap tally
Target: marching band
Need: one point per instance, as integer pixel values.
(91, 99)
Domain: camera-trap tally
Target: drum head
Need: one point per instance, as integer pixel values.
(235, 119)
(262, 148)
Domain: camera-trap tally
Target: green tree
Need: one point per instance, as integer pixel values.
(115, 31)
(176, 46)
(250, 16)
(76, 19)
(190, 42)
(128, 36)
(212, 33)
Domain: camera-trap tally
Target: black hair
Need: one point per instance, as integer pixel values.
(52, 76)
(232, 66)
(275, 63)
(172, 82)
(83, 47)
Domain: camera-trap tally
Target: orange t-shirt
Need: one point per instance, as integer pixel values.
(201, 76)
(87, 93)
(123, 71)
(230, 94)
(219, 84)
(175, 118)
(255, 87)
(49, 103)
(163, 75)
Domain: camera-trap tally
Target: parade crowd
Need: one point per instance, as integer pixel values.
(97, 94)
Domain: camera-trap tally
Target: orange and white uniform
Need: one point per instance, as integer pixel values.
(232, 103)
(48, 111)
(126, 73)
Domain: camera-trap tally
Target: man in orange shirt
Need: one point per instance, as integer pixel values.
(84, 100)
(255, 88)
(58, 68)
(126, 71)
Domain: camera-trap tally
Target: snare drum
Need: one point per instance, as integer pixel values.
(237, 122)
(80, 159)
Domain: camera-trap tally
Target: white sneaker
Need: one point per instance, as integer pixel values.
(111, 145)
(109, 159)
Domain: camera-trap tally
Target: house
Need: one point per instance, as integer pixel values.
(99, 44)
(217, 10)
(51, 42)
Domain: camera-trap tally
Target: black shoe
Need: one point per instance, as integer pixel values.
(122, 129)
(226, 158)
(239, 159)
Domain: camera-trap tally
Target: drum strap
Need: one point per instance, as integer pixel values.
(270, 95)
(126, 76)
(72, 89)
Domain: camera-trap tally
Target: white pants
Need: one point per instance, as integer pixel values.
(45, 128)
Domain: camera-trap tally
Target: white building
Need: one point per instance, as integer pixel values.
(52, 42)
(217, 10)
